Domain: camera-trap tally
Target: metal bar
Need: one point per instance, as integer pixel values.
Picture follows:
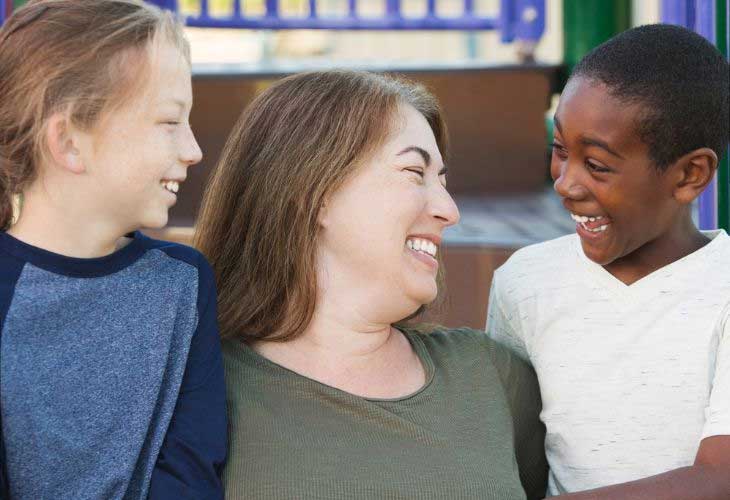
(312, 8)
(431, 8)
(275, 23)
(392, 9)
(468, 7)
(204, 12)
(237, 8)
(3, 6)
(272, 9)
(352, 8)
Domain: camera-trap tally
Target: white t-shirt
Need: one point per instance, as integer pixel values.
(632, 377)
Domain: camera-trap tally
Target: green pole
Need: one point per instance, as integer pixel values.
(588, 23)
(723, 169)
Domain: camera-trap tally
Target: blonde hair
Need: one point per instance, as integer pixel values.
(72, 56)
(294, 144)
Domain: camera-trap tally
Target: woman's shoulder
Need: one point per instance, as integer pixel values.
(458, 339)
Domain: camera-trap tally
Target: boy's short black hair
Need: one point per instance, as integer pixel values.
(679, 78)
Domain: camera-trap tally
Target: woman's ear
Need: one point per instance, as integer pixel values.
(62, 141)
(323, 215)
(694, 171)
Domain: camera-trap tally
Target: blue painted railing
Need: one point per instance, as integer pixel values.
(700, 16)
(517, 20)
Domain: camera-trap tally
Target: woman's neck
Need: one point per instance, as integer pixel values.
(368, 359)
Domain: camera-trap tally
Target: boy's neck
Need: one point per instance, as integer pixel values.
(683, 239)
(65, 229)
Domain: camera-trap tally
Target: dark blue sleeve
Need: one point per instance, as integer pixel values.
(193, 454)
(10, 269)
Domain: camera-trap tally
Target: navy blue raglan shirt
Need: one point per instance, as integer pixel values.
(111, 377)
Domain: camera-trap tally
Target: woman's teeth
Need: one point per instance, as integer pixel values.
(172, 186)
(423, 246)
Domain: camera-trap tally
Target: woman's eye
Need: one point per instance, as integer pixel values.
(416, 170)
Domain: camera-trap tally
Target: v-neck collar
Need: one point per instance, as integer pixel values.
(596, 272)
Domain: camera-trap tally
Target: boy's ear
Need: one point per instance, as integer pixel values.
(694, 171)
(62, 142)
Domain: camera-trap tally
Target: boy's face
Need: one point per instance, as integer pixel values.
(602, 170)
(138, 156)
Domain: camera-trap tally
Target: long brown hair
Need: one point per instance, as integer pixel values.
(292, 146)
(74, 56)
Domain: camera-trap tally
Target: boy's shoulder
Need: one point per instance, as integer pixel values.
(185, 254)
(178, 251)
(542, 260)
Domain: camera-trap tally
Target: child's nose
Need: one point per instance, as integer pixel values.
(568, 185)
(190, 152)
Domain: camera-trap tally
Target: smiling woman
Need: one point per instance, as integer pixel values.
(323, 222)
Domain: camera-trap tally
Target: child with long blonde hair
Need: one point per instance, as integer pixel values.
(111, 383)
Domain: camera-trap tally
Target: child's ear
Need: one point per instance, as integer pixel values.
(694, 171)
(62, 140)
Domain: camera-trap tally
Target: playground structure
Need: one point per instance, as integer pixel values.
(495, 114)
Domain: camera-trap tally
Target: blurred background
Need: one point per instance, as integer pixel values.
(497, 66)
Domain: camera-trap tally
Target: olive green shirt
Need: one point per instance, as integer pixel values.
(462, 435)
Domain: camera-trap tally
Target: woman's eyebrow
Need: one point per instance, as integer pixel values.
(415, 149)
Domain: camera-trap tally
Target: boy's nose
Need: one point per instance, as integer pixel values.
(567, 186)
(190, 152)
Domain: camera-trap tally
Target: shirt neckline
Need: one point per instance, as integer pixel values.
(75, 266)
(416, 342)
(717, 238)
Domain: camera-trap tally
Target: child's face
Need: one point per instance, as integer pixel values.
(602, 170)
(139, 155)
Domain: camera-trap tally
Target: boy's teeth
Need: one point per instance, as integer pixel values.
(583, 218)
(423, 246)
(596, 230)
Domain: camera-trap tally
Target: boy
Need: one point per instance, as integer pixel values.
(626, 322)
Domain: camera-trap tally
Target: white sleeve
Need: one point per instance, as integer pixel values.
(717, 414)
(501, 325)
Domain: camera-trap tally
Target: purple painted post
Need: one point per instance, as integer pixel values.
(468, 7)
(700, 16)
(2, 12)
(204, 9)
(352, 8)
(166, 4)
(705, 25)
(237, 8)
(679, 12)
(392, 9)
(431, 8)
(522, 19)
(272, 8)
(313, 9)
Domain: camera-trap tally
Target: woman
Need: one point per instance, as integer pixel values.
(323, 222)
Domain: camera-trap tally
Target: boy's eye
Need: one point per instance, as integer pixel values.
(559, 150)
(594, 167)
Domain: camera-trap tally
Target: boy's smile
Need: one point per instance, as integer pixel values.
(625, 211)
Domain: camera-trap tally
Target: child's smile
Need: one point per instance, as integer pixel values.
(625, 209)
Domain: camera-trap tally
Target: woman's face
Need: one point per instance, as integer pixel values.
(381, 230)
